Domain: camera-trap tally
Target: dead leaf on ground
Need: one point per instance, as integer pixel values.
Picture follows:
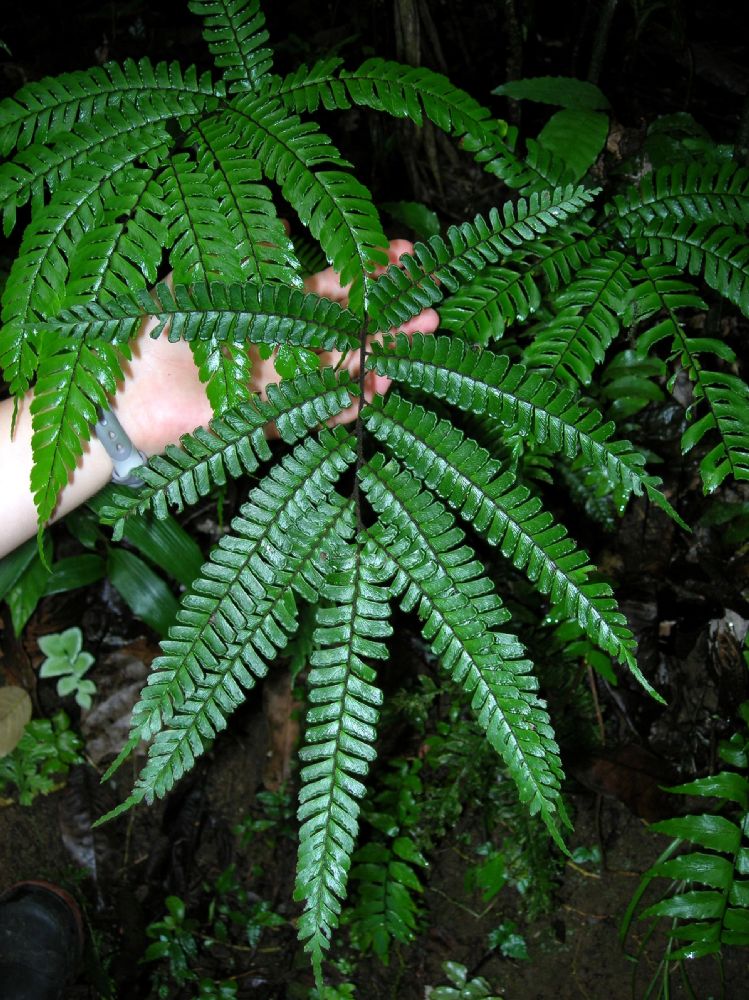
(15, 712)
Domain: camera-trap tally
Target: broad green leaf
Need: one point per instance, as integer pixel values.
(726, 785)
(145, 593)
(561, 91)
(713, 832)
(688, 906)
(576, 137)
(14, 564)
(73, 572)
(25, 594)
(709, 869)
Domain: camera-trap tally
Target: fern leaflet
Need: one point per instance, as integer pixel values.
(235, 33)
(339, 738)
(505, 514)
(403, 291)
(439, 576)
(481, 382)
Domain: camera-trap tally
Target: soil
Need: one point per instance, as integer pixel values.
(685, 596)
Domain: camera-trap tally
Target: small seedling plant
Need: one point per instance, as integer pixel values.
(42, 759)
(124, 165)
(66, 659)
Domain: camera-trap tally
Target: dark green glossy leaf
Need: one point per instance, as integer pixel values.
(145, 593)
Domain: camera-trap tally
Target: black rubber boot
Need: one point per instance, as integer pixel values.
(41, 941)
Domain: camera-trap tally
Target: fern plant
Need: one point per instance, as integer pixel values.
(122, 165)
(707, 902)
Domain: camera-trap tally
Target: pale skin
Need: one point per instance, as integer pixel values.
(161, 399)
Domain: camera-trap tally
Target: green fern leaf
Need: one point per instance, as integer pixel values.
(718, 253)
(233, 444)
(339, 739)
(716, 191)
(38, 167)
(260, 244)
(242, 313)
(436, 575)
(505, 514)
(335, 206)
(575, 341)
(228, 624)
(42, 110)
(402, 292)
(727, 397)
(200, 240)
(481, 382)
(499, 297)
(214, 678)
(35, 287)
(73, 382)
(308, 87)
(236, 36)
(386, 909)
(723, 395)
(123, 251)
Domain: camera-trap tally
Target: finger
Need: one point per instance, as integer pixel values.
(327, 285)
(426, 322)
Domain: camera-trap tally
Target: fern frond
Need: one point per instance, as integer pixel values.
(73, 382)
(340, 736)
(39, 111)
(436, 575)
(214, 625)
(574, 246)
(497, 298)
(37, 167)
(219, 661)
(308, 87)
(411, 91)
(718, 253)
(236, 36)
(481, 382)
(386, 909)
(203, 247)
(505, 514)
(336, 207)
(123, 251)
(503, 294)
(662, 293)
(35, 286)
(717, 192)
(200, 240)
(242, 313)
(542, 168)
(232, 445)
(402, 292)
(260, 244)
(727, 397)
(716, 913)
(575, 341)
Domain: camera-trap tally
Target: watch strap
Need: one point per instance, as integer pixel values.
(125, 456)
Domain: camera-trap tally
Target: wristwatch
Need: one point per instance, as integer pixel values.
(125, 456)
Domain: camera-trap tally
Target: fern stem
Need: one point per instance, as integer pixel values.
(356, 495)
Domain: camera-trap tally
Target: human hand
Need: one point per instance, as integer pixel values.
(163, 398)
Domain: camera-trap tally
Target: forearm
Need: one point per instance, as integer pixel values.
(19, 520)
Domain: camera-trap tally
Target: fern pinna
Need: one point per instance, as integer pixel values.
(124, 164)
